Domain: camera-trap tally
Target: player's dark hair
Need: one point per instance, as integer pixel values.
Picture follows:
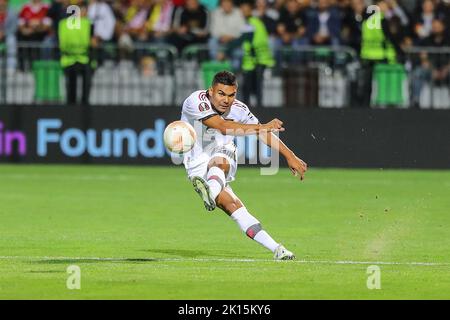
(225, 77)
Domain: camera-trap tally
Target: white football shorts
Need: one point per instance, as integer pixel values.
(199, 165)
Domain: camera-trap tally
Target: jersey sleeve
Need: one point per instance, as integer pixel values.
(250, 118)
(247, 117)
(198, 109)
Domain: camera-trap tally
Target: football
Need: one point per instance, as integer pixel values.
(179, 137)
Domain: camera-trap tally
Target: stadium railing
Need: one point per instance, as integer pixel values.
(137, 75)
(311, 76)
(3, 59)
(303, 77)
(156, 75)
(428, 71)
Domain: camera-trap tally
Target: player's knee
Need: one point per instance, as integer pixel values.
(221, 163)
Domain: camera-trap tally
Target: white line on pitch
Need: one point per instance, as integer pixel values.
(150, 259)
(121, 177)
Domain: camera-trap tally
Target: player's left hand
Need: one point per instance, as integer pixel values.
(297, 166)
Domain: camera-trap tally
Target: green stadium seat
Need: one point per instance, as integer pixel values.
(389, 79)
(47, 76)
(210, 68)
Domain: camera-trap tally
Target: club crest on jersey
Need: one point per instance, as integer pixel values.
(202, 96)
(203, 106)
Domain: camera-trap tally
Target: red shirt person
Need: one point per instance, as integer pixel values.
(34, 24)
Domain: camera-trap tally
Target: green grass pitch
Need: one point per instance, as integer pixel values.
(142, 232)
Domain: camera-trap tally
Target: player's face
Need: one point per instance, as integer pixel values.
(222, 96)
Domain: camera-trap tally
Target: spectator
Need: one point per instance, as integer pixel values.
(161, 20)
(119, 9)
(433, 67)
(190, 25)
(136, 18)
(210, 5)
(135, 30)
(268, 16)
(353, 17)
(257, 55)
(443, 13)
(291, 26)
(103, 22)
(34, 26)
(159, 25)
(227, 23)
(277, 4)
(179, 3)
(398, 24)
(396, 9)
(291, 32)
(102, 19)
(33, 21)
(56, 12)
(74, 44)
(423, 20)
(376, 47)
(8, 27)
(324, 24)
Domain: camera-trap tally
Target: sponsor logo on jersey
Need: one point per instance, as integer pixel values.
(203, 106)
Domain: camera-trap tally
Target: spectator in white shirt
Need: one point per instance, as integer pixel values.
(102, 18)
(227, 23)
(103, 21)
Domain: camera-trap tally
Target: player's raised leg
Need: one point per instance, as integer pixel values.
(204, 191)
(234, 207)
(218, 168)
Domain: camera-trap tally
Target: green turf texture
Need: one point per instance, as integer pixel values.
(140, 218)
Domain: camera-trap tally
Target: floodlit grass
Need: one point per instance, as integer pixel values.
(142, 233)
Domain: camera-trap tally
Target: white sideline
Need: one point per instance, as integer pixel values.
(43, 258)
(50, 176)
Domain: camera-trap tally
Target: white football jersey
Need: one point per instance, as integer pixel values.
(196, 108)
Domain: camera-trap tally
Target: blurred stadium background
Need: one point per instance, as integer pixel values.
(350, 78)
(324, 53)
(356, 86)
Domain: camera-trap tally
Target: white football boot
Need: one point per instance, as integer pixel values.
(281, 253)
(202, 188)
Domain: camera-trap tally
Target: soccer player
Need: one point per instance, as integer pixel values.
(211, 164)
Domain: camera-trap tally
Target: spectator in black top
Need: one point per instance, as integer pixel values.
(432, 67)
(57, 12)
(267, 15)
(398, 25)
(324, 24)
(291, 27)
(423, 20)
(443, 13)
(353, 16)
(190, 25)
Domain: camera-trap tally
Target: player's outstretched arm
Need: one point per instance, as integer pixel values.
(297, 165)
(240, 129)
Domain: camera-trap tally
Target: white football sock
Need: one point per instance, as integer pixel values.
(216, 181)
(266, 240)
(251, 226)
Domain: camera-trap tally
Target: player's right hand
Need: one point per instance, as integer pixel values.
(297, 166)
(273, 126)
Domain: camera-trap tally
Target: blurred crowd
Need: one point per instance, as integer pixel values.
(258, 28)
(217, 22)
